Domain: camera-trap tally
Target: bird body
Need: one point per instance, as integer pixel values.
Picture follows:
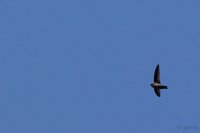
(157, 84)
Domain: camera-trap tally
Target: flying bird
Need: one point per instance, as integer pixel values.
(157, 84)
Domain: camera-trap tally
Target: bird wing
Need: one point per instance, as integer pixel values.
(157, 74)
(157, 91)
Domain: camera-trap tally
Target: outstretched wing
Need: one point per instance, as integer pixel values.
(157, 74)
(157, 91)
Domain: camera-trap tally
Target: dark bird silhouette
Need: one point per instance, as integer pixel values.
(157, 84)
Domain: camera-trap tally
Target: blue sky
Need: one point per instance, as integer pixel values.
(74, 66)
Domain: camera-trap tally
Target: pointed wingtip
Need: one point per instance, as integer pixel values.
(158, 94)
(158, 66)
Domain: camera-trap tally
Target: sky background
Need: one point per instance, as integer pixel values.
(85, 66)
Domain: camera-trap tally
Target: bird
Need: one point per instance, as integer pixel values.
(156, 83)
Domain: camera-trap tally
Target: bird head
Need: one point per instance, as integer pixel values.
(151, 84)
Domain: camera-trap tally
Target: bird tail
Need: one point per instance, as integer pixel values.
(163, 87)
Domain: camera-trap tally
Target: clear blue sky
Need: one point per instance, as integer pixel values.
(85, 66)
